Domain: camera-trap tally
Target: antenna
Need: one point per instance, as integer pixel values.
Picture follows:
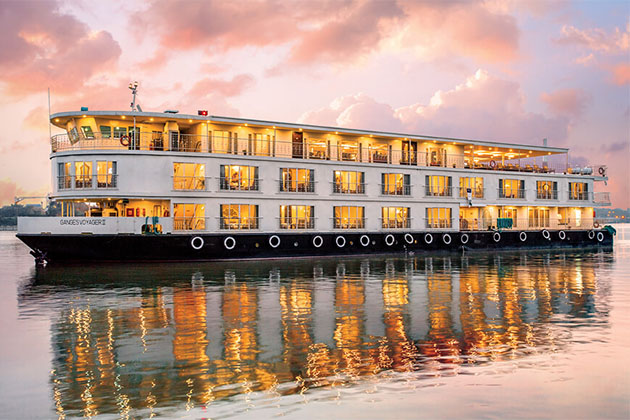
(134, 89)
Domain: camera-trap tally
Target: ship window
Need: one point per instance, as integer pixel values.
(119, 132)
(222, 142)
(297, 180)
(474, 183)
(106, 131)
(538, 218)
(348, 182)
(511, 188)
(83, 178)
(189, 176)
(395, 184)
(546, 190)
(578, 191)
(239, 177)
(239, 216)
(106, 174)
(438, 217)
(260, 144)
(64, 175)
(189, 217)
(297, 217)
(396, 217)
(348, 217)
(87, 132)
(437, 185)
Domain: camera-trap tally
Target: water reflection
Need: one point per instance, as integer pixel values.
(137, 340)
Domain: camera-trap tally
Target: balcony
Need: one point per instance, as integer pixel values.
(601, 198)
(432, 191)
(90, 181)
(510, 193)
(312, 148)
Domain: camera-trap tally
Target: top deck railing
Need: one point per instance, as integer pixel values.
(315, 149)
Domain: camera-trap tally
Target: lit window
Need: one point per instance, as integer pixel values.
(546, 190)
(189, 216)
(348, 182)
(438, 217)
(83, 171)
(347, 217)
(297, 217)
(87, 132)
(437, 185)
(239, 216)
(105, 174)
(511, 188)
(475, 184)
(189, 176)
(239, 177)
(578, 191)
(396, 217)
(395, 184)
(297, 180)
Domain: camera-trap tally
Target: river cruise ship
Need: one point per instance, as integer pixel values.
(142, 186)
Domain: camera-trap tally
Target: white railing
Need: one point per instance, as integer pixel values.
(601, 198)
(89, 181)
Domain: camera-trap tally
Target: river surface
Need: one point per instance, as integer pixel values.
(486, 335)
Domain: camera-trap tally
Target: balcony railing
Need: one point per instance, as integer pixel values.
(189, 183)
(511, 193)
(239, 183)
(388, 189)
(94, 181)
(601, 198)
(349, 222)
(475, 192)
(431, 191)
(443, 223)
(297, 186)
(239, 223)
(579, 196)
(396, 223)
(348, 187)
(311, 148)
(546, 194)
(529, 223)
(189, 223)
(296, 223)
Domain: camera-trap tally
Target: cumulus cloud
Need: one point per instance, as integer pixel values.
(331, 31)
(596, 39)
(45, 47)
(568, 102)
(482, 107)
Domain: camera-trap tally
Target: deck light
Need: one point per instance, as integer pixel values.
(189, 121)
(245, 124)
(151, 119)
(123, 117)
(56, 119)
(336, 132)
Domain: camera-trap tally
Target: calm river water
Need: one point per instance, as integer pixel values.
(508, 335)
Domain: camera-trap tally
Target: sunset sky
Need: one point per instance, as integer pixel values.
(501, 70)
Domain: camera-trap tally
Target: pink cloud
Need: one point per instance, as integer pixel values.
(44, 47)
(621, 73)
(596, 39)
(232, 87)
(568, 102)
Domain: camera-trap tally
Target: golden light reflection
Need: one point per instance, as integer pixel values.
(176, 346)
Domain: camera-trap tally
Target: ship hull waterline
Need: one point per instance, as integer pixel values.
(228, 246)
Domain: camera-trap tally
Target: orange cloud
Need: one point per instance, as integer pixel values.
(621, 73)
(569, 102)
(44, 47)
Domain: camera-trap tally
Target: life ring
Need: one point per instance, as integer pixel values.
(124, 140)
(600, 236)
(591, 234)
(601, 171)
(464, 238)
(522, 236)
(341, 241)
(562, 235)
(496, 236)
(196, 239)
(428, 238)
(231, 241)
(274, 241)
(546, 234)
(318, 241)
(389, 240)
(595, 225)
(365, 240)
(446, 238)
(493, 164)
(409, 238)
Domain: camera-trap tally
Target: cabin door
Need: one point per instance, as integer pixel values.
(174, 140)
(410, 153)
(298, 144)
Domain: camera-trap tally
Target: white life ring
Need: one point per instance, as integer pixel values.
(232, 243)
(546, 234)
(341, 241)
(562, 235)
(522, 236)
(600, 236)
(409, 238)
(389, 240)
(496, 236)
(446, 238)
(464, 238)
(428, 238)
(196, 239)
(274, 241)
(365, 240)
(591, 234)
(318, 241)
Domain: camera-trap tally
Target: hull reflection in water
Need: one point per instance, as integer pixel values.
(141, 340)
